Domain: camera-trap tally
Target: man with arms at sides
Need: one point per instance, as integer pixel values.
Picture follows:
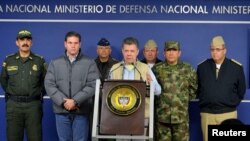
(179, 85)
(150, 53)
(221, 86)
(132, 69)
(22, 79)
(70, 83)
(104, 61)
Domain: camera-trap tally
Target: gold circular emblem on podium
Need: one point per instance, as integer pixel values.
(123, 100)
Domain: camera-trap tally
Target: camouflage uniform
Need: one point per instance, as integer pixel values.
(179, 85)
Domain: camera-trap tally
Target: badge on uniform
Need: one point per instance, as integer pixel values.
(34, 67)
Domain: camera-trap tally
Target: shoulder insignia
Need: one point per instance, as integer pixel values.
(236, 62)
(4, 64)
(10, 55)
(202, 61)
(39, 56)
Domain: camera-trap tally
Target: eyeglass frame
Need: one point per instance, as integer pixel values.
(217, 49)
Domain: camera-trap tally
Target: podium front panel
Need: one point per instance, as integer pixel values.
(123, 107)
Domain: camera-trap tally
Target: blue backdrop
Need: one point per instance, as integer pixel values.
(193, 29)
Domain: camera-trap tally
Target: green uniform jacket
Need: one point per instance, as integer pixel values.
(23, 77)
(179, 85)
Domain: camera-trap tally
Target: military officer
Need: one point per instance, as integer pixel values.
(179, 84)
(150, 53)
(104, 61)
(22, 79)
(221, 86)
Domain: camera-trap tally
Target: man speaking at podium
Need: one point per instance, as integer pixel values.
(132, 69)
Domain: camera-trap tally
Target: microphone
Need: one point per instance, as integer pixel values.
(137, 71)
(115, 69)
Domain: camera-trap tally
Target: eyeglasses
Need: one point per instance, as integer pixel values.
(216, 49)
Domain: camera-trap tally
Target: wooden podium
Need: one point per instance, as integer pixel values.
(119, 110)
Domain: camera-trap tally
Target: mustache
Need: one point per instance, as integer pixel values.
(25, 45)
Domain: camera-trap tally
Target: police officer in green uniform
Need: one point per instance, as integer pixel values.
(179, 84)
(22, 79)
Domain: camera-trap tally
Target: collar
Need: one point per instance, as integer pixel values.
(157, 60)
(178, 63)
(99, 61)
(77, 57)
(135, 64)
(17, 55)
(225, 61)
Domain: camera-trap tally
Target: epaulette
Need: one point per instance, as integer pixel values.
(236, 62)
(10, 55)
(39, 56)
(202, 62)
(4, 64)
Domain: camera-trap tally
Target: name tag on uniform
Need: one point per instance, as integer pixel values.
(12, 68)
